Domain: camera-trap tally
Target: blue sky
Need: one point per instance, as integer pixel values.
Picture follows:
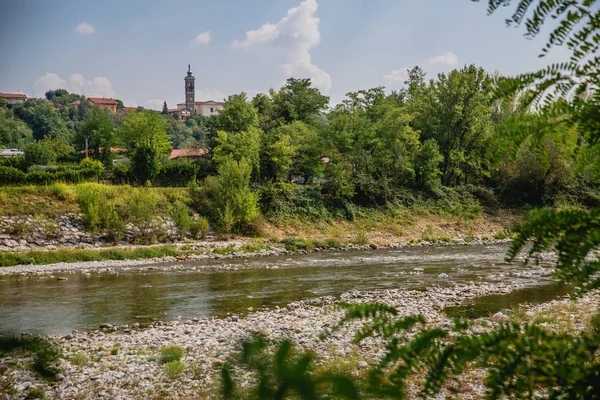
(138, 50)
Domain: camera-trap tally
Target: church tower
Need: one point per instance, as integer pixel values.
(190, 92)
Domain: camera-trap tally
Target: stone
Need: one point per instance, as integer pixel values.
(443, 276)
(373, 246)
(362, 364)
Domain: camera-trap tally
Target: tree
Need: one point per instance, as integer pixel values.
(100, 133)
(179, 133)
(427, 165)
(42, 118)
(165, 109)
(145, 135)
(297, 100)
(14, 133)
(38, 154)
(120, 104)
(227, 197)
(237, 114)
(457, 115)
(304, 145)
(238, 146)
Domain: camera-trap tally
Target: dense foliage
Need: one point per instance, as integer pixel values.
(515, 361)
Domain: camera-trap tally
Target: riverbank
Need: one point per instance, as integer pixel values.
(132, 257)
(125, 361)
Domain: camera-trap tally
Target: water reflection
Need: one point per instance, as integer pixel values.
(48, 306)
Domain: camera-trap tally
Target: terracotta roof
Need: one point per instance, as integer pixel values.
(117, 150)
(126, 109)
(176, 153)
(13, 95)
(102, 100)
(205, 102)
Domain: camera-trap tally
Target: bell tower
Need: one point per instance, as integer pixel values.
(190, 91)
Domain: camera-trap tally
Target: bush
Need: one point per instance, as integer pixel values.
(143, 208)
(181, 217)
(199, 228)
(170, 353)
(176, 173)
(38, 154)
(93, 165)
(121, 173)
(62, 191)
(227, 198)
(11, 176)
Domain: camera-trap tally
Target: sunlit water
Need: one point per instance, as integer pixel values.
(48, 306)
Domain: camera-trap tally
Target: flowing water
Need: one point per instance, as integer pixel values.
(46, 306)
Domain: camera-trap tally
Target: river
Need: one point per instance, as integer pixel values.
(41, 305)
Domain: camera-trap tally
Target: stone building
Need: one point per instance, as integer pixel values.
(105, 103)
(190, 105)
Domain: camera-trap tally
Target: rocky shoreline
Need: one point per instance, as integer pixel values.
(122, 362)
(115, 266)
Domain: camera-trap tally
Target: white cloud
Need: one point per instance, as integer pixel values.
(98, 86)
(209, 94)
(292, 38)
(202, 39)
(85, 28)
(396, 77)
(154, 104)
(447, 59)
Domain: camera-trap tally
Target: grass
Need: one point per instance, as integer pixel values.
(45, 354)
(58, 199)
(174, 369)
(80, 359)
(171, 353)
(295, 244)
(35, 257)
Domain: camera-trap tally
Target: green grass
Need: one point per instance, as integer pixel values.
(171, 353)
(80, 359)
(77, 255)
(174, 369)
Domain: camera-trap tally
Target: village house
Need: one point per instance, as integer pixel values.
(105, 103)
(13, 98)
(194, 153)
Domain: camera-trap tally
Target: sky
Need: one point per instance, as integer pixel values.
(139, 50)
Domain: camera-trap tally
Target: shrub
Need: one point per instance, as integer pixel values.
(94, 165)
(176, 173)
(11, 176)
(38, 154)
(361, 238)
(227, 197)
(121, 173)
(199, 227)
(62, 191)
(170, 353)
(174, 369)
(181, 217)
(143, 208)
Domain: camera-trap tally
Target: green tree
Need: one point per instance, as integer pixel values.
(427, 165)
(14, 133)
(42, 118)
(303, 142)
(297, 100)
(241, 145)
(233, 207)
(38, 154)
(165, 109)
(457, 114)
(100, 133)
(237, 114)
(145, 135)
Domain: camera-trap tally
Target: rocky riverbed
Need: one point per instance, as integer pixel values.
(123, 361)
(173, 263)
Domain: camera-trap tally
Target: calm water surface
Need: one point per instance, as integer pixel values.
(48, 306)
